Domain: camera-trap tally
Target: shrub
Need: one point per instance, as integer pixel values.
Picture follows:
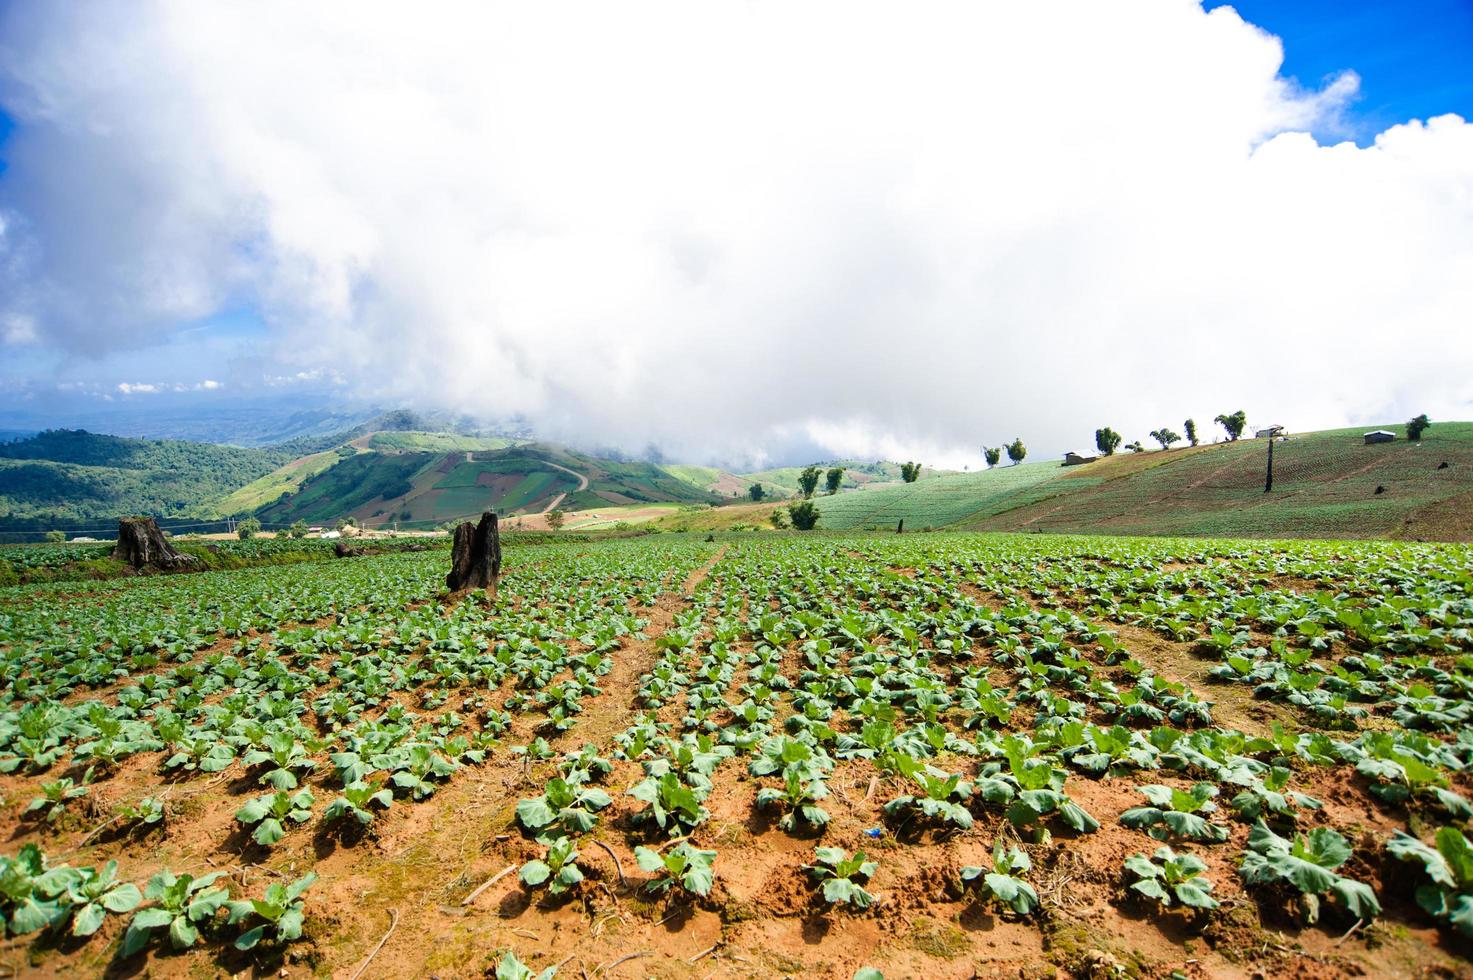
(803, 515)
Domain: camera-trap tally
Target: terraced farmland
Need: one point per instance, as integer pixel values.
(935, 755)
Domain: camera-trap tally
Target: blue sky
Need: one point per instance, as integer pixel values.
(1414, 57)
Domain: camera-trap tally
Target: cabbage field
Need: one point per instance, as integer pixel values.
(835, 755)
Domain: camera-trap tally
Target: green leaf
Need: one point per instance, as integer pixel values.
(1357, 897)
(1153, 889)
(648, 860)
(268, 832)
(123, 898)
(182, 934)
(535, 873)
(535, 813)
(88, 919)
(250, 938)
(1194, 893)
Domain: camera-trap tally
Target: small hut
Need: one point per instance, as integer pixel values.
(1380, 435)
(1269, 432)
(1075, 459)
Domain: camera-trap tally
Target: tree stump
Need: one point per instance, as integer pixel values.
(344, 550)
(475, 561)
(142, 545)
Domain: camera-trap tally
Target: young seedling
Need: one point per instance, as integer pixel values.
(1002, 881)
(1447, 895)
(842, 876)
(32, 895)
(1307, 864)
(271, 813)
(559, 869)
(281, 910)
(563, 807)
(357, 800)
(799, 797)
(183, 904)
(284, 754)
(1167, 876)
(684, 867)
(55, 796)
(511, 968)
(673, 806)
(147, 813)
(1267, 798)
(942, 798)
(1176, 814)
(96, 892)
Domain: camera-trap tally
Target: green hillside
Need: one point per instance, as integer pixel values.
(1325, 485)
(944, 499)
(359, 481)
(413, 488)
(72, 478)
(283, 480)
(436, 442)
(857, 473)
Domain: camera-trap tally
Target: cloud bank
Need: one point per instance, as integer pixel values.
(720, 227)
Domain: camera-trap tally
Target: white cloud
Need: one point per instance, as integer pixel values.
(137, 388)
(711, 225)
(18, 328)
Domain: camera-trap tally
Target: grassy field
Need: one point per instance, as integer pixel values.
(857, 473)
(935, 502)
(1325, 485)
(288, 479)
(436, 442)
(364, 481)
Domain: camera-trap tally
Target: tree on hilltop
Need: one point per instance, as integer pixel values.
(808, 481)
(1417, 426)
(1017, 452)
(833, 478)
(1166, 437)
(993, 456)
(1107, 440)
(910, 472)
(1234, 424)
(1191, 426)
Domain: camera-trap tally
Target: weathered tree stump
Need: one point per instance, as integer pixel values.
(344, 550)
(142, 545)
(475, 561)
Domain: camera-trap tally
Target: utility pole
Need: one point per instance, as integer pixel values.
(1268, 483)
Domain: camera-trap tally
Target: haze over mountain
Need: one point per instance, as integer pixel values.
(666, 224)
